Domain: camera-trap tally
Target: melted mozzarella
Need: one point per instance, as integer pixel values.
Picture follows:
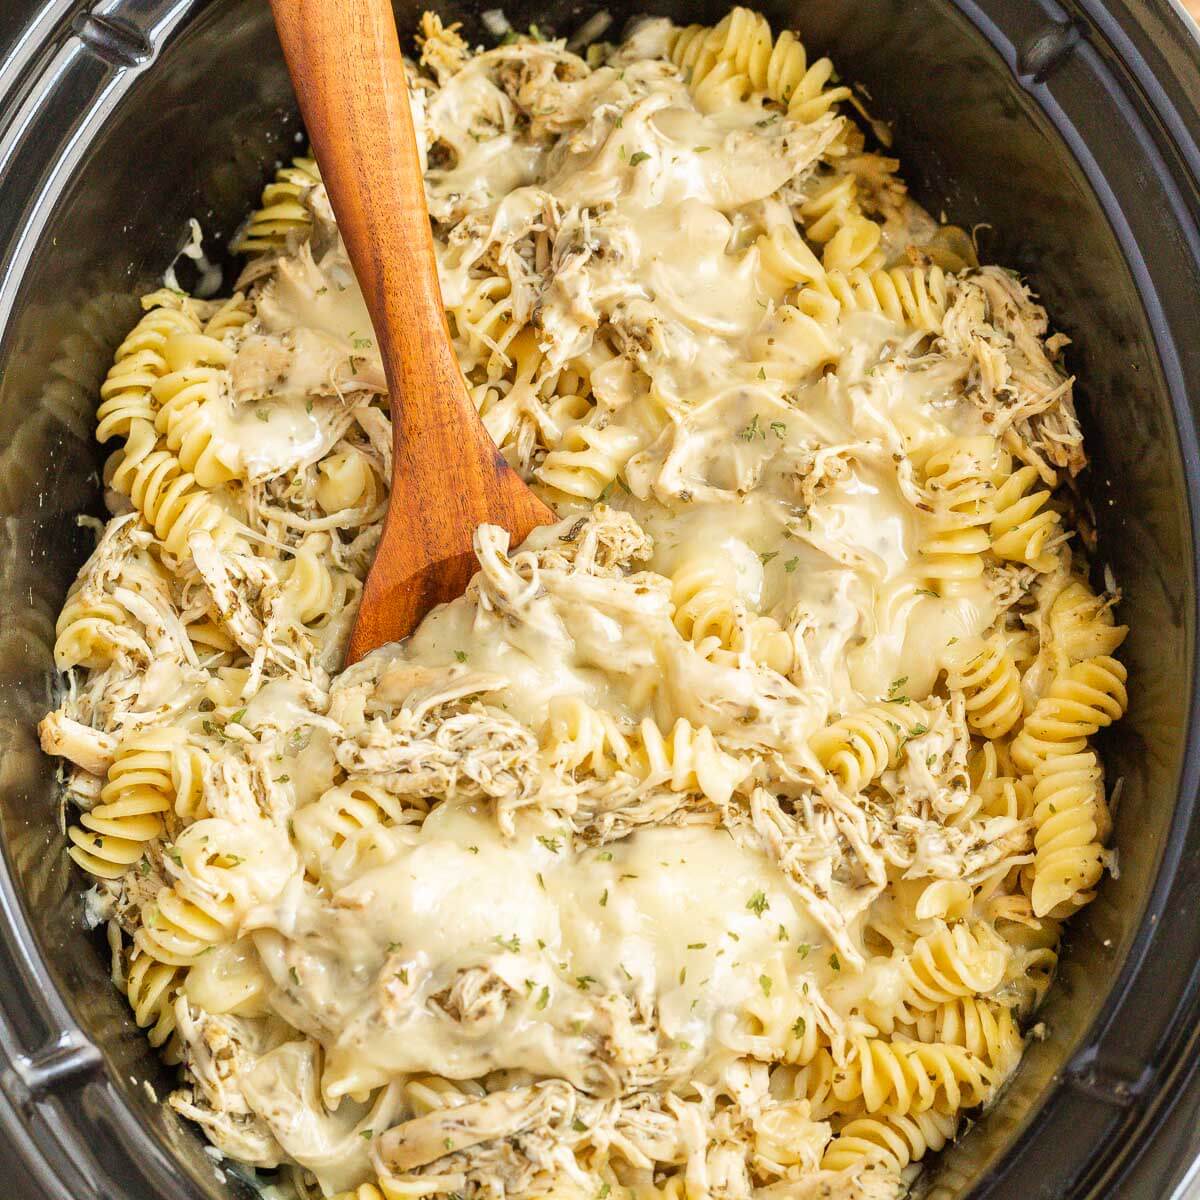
(676, 918)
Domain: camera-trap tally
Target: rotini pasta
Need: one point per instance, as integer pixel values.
(766, 765)
(858, 748)
(893, 1140)
(283, 211)
(1068, 797)
(186, 397)
(1086, 697)
(910, 296)
(1023, 529)
(166, 495)
(987, 676)
(834, 220)
(126, 394)
(906, 1078)
(139, 792)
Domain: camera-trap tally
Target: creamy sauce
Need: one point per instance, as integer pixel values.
(585, 884)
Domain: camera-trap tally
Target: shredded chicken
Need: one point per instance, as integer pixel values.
(696, 848)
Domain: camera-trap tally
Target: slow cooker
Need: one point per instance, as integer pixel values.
(1067, 135)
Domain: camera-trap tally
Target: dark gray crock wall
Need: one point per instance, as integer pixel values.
(1069, 131)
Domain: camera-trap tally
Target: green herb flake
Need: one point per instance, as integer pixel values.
(804, 949)
(765, 982)
(835, 962)
(639, 156)
(604, 898)
(543, 999)
(799, 1027)
(551, 843)
(751, 431)
(758, 903)
(791, 564)
(461, 655)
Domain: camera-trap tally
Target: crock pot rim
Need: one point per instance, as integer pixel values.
(1155, 48)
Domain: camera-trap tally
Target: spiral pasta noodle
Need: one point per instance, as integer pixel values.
(282, 211)
(787, 259)
(230, 317)
(593, 453)
(709, 615)
(1082, 625)
(1083, 699)
(580, 737)
(166, 495)
(893, 1140)
(341, 814)
(151, 988)
(687, 759)
(914, 297)
(834, 220)
(987, 676)
(985, 1029)
(954, 961)
(346, 481)
(1069, 859)
(1023, 529)
(484, 325)
(186, 397)
(705, 602)
(137, 795)
(858, 748)
(742, 56)
(178, 927)
(959, 481)
(140, 361)
(905, 1077)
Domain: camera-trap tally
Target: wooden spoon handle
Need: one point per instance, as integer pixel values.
(447, 475)
(348, 73)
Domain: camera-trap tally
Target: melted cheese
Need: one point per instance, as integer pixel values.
(676, 921)
(574, 842)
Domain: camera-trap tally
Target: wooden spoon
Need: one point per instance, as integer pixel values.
(447, 475)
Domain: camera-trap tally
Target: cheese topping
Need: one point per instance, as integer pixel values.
(716, 841)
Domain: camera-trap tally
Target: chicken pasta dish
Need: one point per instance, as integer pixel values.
(718, 840)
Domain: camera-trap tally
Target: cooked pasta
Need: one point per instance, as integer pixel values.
(988, 677)
(857, 749)
(717, 841)
(139, 792)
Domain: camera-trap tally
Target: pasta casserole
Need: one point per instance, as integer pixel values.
(717, 842)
